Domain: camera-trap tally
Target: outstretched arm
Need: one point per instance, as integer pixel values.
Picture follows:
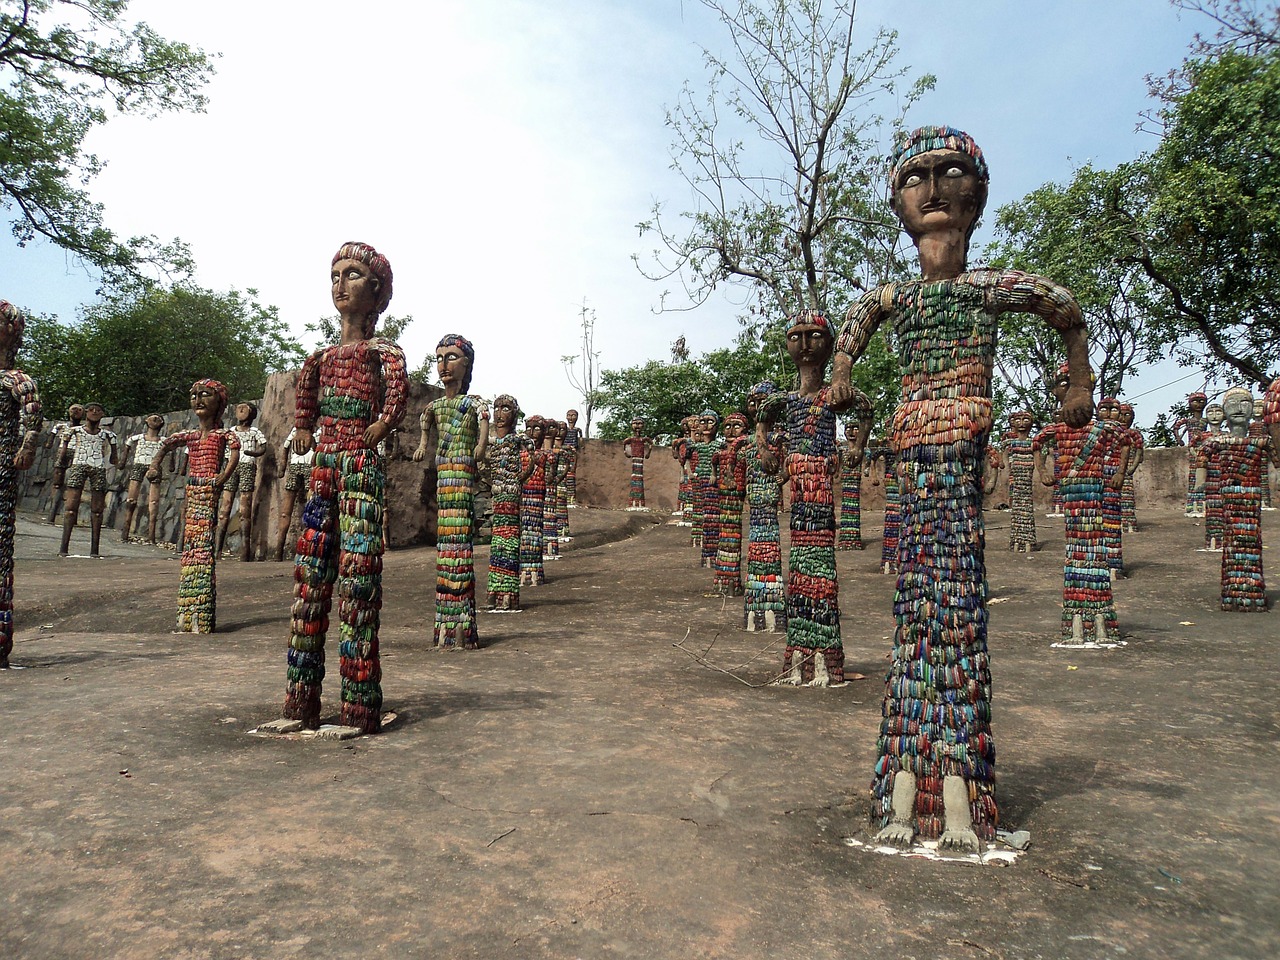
(862, 322)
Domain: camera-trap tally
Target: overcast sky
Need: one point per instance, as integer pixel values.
(501, 152)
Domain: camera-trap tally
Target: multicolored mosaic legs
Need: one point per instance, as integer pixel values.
(20, 423)
(935, 776)
(1112, 527)
(814, 653)
(461, 423)
(350, 397)
(508, 470)
(208, 447)
(533, 494)
(1207, 458)
(881, 468)
(637, 447)
(1242, 461)
(682, 453)
(765, 598)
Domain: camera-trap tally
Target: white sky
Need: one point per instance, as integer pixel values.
(501, 152)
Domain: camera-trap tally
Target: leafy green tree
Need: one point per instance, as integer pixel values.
(139, 350)
(63, 64)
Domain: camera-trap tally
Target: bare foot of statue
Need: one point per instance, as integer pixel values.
(957, 831)
(900, 831)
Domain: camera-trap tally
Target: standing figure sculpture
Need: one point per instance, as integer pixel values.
(881, 468)
(143, 446)
(1242, 463)
(682, 453)
(461, 423)
(508, 470)
(1259, 429)
(350, 397)
(1207, 459)
(533, 495)
(856, 433)
(61, 456)
(1137, 452)
(20, 423)
(731, 488)
(764, 605)
(637, 447)
(297, 474)
(1112, 524)
(244, 480)
(90, 448)
(935, 774)
(551, 478)
(814, 654)
(1188, 431)
(212, 455)
(706, 527)
(566, 460)
(1021, 460)
(572, 441)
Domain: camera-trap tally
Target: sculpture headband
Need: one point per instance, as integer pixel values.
(923, 139)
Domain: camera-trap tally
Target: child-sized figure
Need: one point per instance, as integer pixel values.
(852, 451)
(682, 453)
(731, 487)
(764, 605)
(572, 441)
(1188, 431)
(61, 456)
(91, 448)
(1112, 526)
(1259, 429)
(508, 470)
(566, 459)
(881, 467)
(706, 510)
(297, 474)
(637, 447)
(551, 477)
(20, 423)
(206, 446)
(1207, 458)
(936, 751)
(1242, 462)
(144, 446)
(462, 433)
(814, 653)
(244, 479)
(350, 397)
(533, 497)
(1137, 451)
(1018, 454)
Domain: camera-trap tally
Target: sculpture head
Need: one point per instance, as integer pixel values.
(556, 430)
(208, 399)
(810, 339)
(735, 425)
(708, 424)
(757, 394)
(1237, 409)
(637, 427)
(1020, 422)
(154, 421)
(362, 280)
(246, 413)
(455, 359)
(1213, 415)
(1196, 403)
(12, 324)
(75, 413)
(571, 418)
(94, 412)
(938, 180)
(506, 411)
(1109, 410)
(1060, 383)
(535, 428)
(1126, 414)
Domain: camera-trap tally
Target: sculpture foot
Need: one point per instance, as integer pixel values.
(751, 623)
(899, 833)
(960, 841)
(770, 621)
(957, 832)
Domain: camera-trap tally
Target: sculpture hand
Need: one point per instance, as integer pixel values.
(23, 459)
(1077, 407)
(301, 441)
(420, 454)
(376, 433)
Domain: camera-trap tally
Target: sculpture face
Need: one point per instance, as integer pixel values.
(572, 418)
(452, 365)
(809, 343)
(1061, 383)
(1126, 416)
(94, 413)
(205, 400)
(1196, 405)
(1020, 422)
(504, 414)
(1238, 411)
(733, 429)
(355, 288)
(1213, 415)
(244, 412)
(636, 427)
(75, 412)
(939, 190)
(535, 430)
(155, 421)
(1109, 411)
(708, 426)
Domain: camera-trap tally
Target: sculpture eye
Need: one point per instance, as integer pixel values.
(911, 180)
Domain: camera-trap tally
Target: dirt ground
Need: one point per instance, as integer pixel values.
(584, 788)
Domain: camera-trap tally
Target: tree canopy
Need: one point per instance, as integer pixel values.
(63, 65)
(139, 350)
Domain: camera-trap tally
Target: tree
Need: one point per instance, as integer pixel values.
(139, 350)
(582, 368)
(1071, 234)
(799, 216)
(62, 64)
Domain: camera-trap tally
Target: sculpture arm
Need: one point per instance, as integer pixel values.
(863, 320)
(425, 422)
(482, 441)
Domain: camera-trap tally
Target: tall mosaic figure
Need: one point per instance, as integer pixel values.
(209, 447)
(533, 496)
(508, 470)
(731, 490)
(350, 397)
(852, 452)
(1018, 453)
(461, 424)
(1189, 431)
(20, 423)
(765, 597)
(637, 447)
(935, 775)
(1137, 451)
(572, 441)
(814, 654)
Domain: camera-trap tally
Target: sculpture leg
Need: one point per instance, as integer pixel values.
(153, 510)
(314, 572)
(901, 831)
(130, 508)
(55, 499)
(360, 590)
(97, 507)
(69, 519)
(958, 831)
(197, 586)
(285, 520)
(224, 517)
(246, 526)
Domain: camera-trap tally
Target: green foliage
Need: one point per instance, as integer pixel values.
(139, 350)
(1160, 434)
(328, 330)
(63, 63)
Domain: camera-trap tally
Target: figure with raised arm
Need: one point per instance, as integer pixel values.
(91, 448)
(20, 423)
(637, 447)
(935, 776)
(508, 471)
(350, 397)
(212, 455)
(140, 450)
(461, 423)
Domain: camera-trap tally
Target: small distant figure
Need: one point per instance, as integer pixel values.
(731, 488)
(533, 497)
(637, 447)
(244, 480)
(297, 474)
(880, 467)
(508, 470)
(572, 441)
(856, 433)
(90, 448)
(1137, 452)
(765, 599)
(61, 457)
(1188, 431)
(706, 509)
(1020, 457)
(681, 453)
(144, 446)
